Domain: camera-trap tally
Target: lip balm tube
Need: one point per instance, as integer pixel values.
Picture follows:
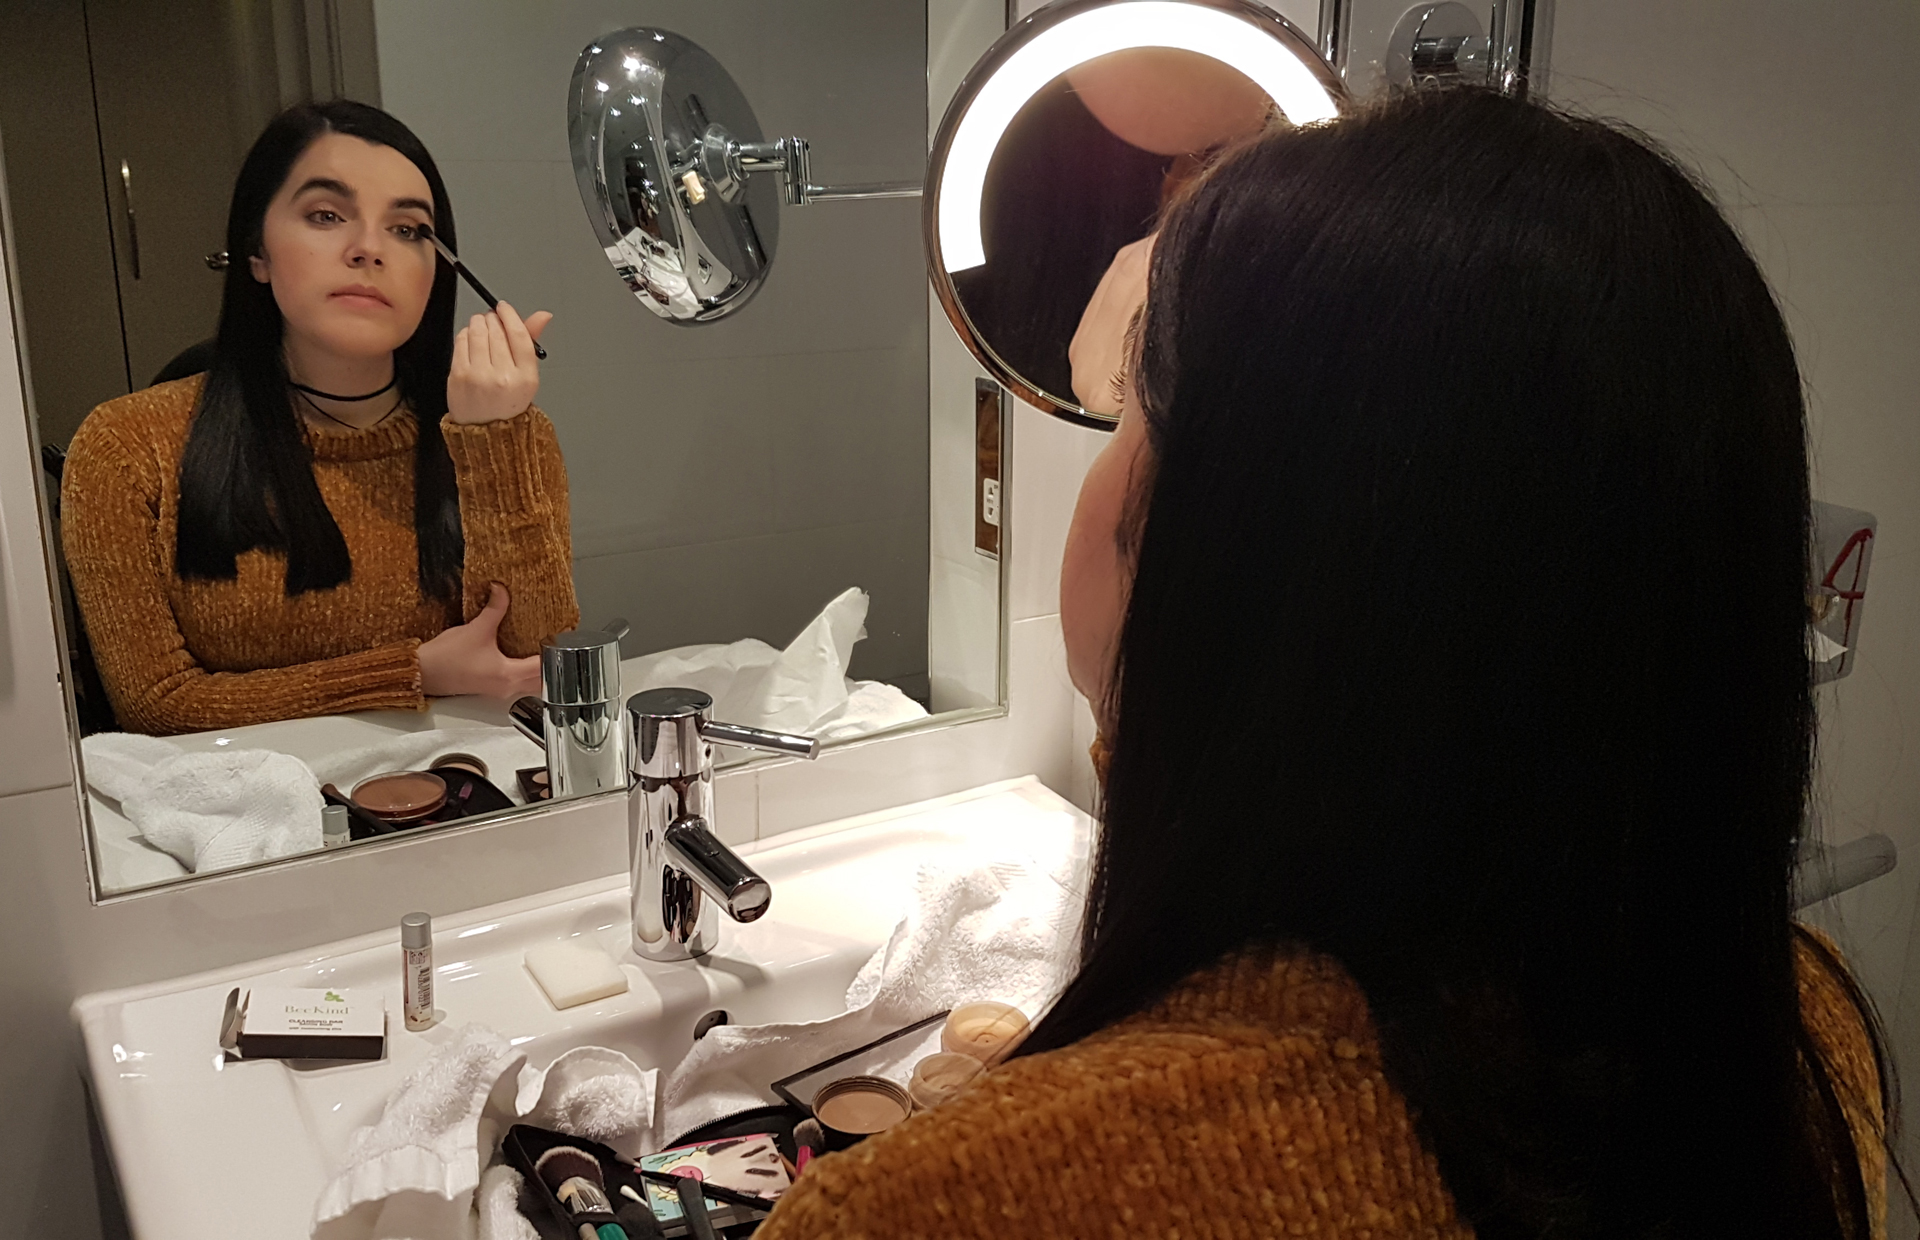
(416, 970)
(335, 830)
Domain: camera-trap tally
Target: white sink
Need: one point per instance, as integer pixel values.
(205, 1149)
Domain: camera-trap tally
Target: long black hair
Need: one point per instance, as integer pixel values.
(1479, 448)
(246, 475)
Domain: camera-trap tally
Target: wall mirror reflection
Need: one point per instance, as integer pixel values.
(331, 532)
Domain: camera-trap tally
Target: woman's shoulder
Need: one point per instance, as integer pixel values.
(1138, 1113)
(150, 422)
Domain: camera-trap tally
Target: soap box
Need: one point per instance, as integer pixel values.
(312, 1024)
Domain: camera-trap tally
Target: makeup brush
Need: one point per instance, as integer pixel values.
(810, 1141)
(426, 230)
(574, 1176)
(730, 1196)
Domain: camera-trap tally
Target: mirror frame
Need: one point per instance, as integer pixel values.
(1264, 20)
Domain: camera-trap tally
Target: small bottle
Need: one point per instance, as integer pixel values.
(335, 830)
(416, 970)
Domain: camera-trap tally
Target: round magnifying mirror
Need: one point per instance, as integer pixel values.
(1057, 156)
(657, 127)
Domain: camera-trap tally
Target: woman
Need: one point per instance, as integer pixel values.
(355, 508)
(1443, 598)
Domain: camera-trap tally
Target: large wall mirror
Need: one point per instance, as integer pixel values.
(768, 505)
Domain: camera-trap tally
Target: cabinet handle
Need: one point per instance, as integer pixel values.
(133, 231)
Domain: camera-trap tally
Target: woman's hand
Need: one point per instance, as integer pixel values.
(495, 373)
(466, 658)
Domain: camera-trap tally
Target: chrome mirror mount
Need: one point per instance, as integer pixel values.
(665, 147)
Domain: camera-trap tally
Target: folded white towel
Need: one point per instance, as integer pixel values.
(212, 811)
(414, 1171)
(1005, 931)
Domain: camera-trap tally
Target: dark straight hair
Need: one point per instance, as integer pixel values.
(246, 475)
(1478, 441)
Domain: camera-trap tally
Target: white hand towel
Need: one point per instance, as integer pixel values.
(591, 1092)
(212, 811)
(1006, 931)
(498, 1206)
(413, 1172)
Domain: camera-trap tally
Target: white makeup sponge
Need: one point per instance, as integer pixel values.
(572, 973)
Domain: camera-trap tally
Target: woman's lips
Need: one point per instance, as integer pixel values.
(362, 296)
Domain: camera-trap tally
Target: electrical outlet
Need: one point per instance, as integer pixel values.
(987, 430)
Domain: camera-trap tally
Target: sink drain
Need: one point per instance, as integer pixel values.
(712, 1020)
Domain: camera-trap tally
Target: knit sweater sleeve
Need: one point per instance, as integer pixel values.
(514, 514)
(111, 531)
(1839, 1033)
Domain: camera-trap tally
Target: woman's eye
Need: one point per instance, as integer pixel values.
(322, 215)
(407, 232)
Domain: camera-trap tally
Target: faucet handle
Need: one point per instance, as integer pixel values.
(760, 738)
(672, 730)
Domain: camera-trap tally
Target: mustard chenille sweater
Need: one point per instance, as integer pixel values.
(1248, 1103)
(181, 656)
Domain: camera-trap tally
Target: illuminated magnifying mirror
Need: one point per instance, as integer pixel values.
(1058, 154)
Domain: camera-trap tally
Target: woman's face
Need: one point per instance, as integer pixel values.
(341, 247)
(1096, 572)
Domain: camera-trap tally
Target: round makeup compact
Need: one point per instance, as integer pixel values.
(987, 1031)
(940, 1076)
(859, 1106)
(460, 762)
(402, 797)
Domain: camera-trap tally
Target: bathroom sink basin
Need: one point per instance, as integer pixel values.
(203, 1148)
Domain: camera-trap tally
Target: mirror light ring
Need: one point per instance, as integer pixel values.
(1282, 71)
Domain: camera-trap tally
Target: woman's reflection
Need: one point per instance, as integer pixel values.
(355, 507)
(1081, 176)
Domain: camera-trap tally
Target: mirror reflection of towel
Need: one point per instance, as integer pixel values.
(211, 811)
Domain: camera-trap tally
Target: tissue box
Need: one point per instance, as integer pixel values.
(312, 1024)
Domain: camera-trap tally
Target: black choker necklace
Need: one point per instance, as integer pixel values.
(301, 387)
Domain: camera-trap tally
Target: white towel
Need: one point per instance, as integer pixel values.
(412, 1173)
(1006, 931)
(802, 689)
(591, 1092)
(212, 811)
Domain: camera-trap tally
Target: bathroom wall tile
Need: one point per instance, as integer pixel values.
(769, 587)
(1048, 460)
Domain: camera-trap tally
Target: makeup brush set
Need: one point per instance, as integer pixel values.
(575, 1189)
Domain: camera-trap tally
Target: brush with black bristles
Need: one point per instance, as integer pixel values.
(427, 233)
(574, 1176)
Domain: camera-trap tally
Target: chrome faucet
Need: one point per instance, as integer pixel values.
(576, 718)
(682, 874)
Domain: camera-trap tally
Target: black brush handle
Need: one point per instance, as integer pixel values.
(732, 1196)
(693, 1204)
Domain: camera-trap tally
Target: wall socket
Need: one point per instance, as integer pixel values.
(988, 405)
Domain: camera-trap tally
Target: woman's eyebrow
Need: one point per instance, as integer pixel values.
(328, 185)
(418, 204)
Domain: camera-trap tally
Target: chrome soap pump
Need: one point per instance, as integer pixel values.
(682, 874)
